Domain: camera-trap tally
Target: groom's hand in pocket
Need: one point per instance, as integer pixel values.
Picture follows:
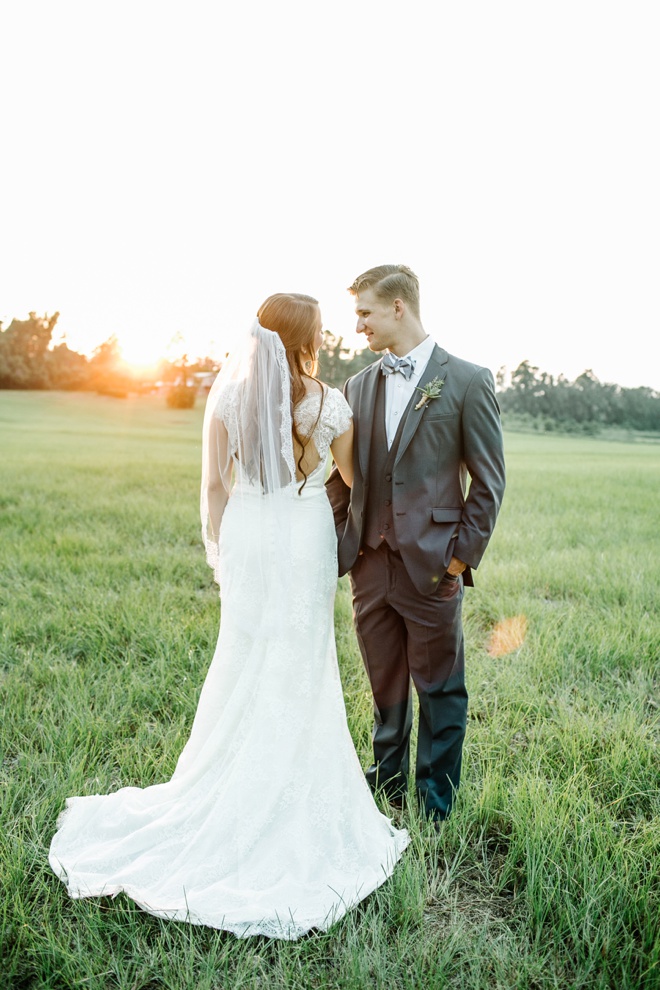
(456, 567)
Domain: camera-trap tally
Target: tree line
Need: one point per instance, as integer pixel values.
(29, 360)
(528, 397)
(535, 398)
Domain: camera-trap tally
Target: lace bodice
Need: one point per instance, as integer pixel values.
(334, 420)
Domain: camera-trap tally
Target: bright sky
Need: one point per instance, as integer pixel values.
(167, 165)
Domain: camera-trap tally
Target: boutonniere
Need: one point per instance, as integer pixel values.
(430, 391)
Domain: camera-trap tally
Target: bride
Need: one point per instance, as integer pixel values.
(267, 825)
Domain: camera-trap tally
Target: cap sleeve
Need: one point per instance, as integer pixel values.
(338, 413)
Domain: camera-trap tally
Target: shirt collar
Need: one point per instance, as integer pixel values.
(421, 354)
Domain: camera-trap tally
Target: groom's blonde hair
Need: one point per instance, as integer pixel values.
(390, 282)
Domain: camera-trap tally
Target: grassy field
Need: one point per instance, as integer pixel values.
(547, 874)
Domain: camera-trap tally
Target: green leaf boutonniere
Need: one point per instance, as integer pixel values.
(430, 391)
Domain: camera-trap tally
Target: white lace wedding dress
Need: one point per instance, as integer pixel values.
(267, 825)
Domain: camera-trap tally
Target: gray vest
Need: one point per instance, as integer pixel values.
(379, 525)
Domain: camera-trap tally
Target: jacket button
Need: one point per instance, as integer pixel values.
(386, 526)
(387, 501)
(388, 477)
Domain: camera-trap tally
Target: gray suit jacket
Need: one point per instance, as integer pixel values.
(453, 436)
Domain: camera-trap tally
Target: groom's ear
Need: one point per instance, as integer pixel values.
(399, 308)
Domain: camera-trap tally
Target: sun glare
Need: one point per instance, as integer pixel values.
(142, 351)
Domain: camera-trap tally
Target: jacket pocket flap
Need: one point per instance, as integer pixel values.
(447, 515)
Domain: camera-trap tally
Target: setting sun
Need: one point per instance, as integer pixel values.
(142, 351)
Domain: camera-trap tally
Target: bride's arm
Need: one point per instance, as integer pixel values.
(342, 452)
(218, 489)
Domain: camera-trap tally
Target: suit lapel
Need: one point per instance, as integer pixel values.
(436, 368)
(365, 411)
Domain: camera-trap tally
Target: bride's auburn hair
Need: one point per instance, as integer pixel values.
(294, 317)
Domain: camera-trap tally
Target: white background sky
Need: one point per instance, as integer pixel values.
(165, 166)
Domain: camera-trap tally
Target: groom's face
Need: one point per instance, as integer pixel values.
(376, 320)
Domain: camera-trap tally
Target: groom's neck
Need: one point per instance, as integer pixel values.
(410, 335)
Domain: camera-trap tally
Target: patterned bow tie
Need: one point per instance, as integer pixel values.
(391, 363)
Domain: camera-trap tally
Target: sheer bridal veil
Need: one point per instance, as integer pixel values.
(248, 445)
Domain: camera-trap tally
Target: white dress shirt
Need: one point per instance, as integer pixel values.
(398, 390)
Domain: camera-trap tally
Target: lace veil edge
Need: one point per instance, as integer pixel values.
(247, 437)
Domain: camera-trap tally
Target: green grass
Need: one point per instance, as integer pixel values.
(547, 874)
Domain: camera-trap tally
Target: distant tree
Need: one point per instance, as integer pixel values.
(640, 408)
(206, 364)
(524, 379)
(107, 370)
(501, 378)
(182, 392)
(67, 369)
(23, 352)
(166, 371)
(337, 362)
(181, 396)
(585, 404)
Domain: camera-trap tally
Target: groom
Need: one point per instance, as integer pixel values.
(410, 532)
